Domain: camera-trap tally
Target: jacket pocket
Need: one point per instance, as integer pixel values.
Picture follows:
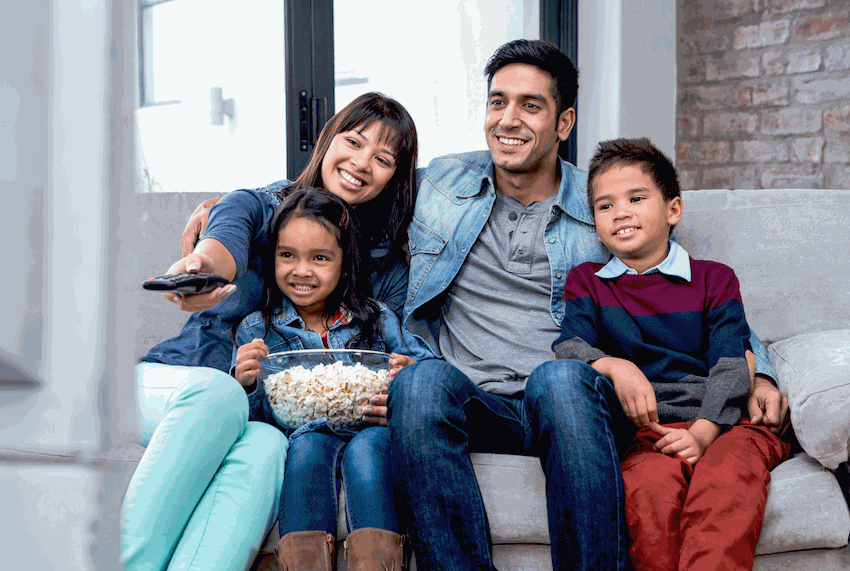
(424, 240)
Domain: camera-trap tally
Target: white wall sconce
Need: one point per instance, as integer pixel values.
(220, 106)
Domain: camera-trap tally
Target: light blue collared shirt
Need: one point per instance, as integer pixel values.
(677, 263)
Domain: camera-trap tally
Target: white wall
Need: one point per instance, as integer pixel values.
(67, 87)
(66, 97)
(627, 73)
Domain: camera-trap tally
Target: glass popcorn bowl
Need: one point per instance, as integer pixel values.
(333, 384)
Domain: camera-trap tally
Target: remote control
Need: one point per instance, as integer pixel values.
(185, 283)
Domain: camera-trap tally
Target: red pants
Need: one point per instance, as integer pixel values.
(703, 517)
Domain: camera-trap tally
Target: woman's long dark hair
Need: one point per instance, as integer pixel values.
(338, 218)
(385, 218)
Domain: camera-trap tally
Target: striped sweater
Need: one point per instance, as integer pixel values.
(688, 338)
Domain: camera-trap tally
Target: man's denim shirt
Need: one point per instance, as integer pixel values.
(391, 338)
(455, 196)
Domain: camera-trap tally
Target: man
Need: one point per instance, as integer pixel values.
(493, 238)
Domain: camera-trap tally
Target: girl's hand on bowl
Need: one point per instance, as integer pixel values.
(375, 411)
(398, 362)
(247, 361)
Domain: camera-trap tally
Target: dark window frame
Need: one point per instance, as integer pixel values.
(146, 58)
(310, 69)
(559, 25)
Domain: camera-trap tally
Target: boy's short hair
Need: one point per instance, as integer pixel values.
(640, 152)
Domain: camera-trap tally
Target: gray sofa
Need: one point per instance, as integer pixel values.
(786, 247)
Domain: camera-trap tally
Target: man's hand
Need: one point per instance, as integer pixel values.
(636, 395)
(247, 361)
(768, 406)
(197, 301)
(196, 225)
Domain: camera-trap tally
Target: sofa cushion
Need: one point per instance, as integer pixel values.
(805, 509)
(514, 492)
(814, 371)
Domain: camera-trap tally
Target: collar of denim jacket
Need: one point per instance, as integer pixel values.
(572, 194)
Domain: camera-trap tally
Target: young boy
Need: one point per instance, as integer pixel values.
(670, 334)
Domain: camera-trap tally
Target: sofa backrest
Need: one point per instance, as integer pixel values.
(788, 249)
(160, 222)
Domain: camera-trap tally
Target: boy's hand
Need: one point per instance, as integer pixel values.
(636, 395)
(247, 361)
(678, 441)
(689, 443)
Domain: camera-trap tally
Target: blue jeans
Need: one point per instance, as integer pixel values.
(568, 416)
(316, 465)
(205, 492)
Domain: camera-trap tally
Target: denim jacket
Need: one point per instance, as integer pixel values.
(455, 197)
(390, 338)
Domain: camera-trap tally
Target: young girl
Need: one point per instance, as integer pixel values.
(314, 298)
(202, 510)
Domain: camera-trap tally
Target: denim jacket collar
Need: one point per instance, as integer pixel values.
(288, 315)
(573, 204)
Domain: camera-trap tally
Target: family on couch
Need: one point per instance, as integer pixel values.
(494, 238)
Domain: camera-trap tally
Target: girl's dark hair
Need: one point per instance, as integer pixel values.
(338, 218)
(384, 218)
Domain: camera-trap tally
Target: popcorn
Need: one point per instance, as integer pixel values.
(335, 392)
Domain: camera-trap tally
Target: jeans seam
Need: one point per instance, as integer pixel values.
(337, 475)
(621, 540)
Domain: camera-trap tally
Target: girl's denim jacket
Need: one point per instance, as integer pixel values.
(453, 203)
(390, 338)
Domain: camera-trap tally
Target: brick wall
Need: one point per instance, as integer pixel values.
(764, 93)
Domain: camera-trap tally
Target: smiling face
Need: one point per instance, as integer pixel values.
(358, 164)
(523, 126)
(632, 217)
(308, 264)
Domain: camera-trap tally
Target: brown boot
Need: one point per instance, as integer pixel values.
(370, 549)
(305, 551)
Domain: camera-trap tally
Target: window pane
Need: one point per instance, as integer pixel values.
(198, 45)
(430, 57)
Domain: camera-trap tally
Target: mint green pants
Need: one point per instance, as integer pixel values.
(205, 493)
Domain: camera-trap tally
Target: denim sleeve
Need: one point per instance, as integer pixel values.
(390, 287)
(237, 221)
(763, 366)
(400, 340)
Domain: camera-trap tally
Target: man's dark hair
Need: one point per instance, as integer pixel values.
(545, 56)
(640, 152)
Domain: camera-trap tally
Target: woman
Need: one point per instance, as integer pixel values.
(204, 494)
